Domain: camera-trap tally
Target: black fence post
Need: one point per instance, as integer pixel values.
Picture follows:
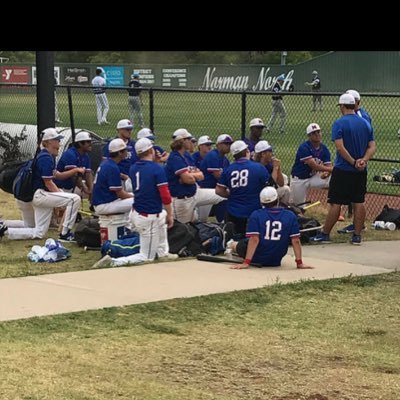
(151, 108)
(243, 115)
(71, 113)
(45, 91)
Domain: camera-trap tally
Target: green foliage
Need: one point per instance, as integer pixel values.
(10, 146)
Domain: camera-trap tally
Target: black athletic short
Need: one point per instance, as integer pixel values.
(347, 187)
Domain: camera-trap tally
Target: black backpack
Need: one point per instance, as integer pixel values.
(184, 240)
(308, 223)
(389, 215)
(8, 173)
(87, 232)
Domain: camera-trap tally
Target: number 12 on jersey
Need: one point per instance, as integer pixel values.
(272, 230)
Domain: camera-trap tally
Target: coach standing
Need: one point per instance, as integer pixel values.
(355, 145)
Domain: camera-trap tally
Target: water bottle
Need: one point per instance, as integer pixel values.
(391, 226)
(379, 225)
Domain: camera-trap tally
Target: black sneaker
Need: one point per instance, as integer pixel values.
(3, 229)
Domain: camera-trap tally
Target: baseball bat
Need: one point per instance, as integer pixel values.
(311, 205)
(87, 248)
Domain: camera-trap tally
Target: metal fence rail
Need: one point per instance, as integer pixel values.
(215, 112)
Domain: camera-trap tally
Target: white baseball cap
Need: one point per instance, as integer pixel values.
(124, 124)
(204, 140)
(181, 133)
(146, 133)
(51, 134)
(354, 93)
(143, 145)
(346, 98)
(312, 128)
(82, 136)
(257, 122)
(224, 139)
(268, 195)
(261, 146)
(315, 72)
(238, 146)
(116, 145)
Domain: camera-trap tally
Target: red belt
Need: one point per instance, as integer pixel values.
(146, 215)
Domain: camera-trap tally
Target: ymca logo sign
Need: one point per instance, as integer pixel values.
(14, 74)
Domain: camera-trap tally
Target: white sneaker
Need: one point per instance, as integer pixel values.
(106, 261)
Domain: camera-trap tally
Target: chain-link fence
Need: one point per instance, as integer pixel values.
(215, 112)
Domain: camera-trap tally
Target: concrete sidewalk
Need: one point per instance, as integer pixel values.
(93, 289)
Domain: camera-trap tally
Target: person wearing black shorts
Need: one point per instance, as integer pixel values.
(355, 145)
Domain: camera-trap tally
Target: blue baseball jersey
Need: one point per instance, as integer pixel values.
(305, 152)
(156, 148)
(197, 158)
(69, 160)
(245, 179)
(176, 165)
(251, 144)
(106, 183)
(189, 159)
(130, 159)
(275, 227)
(363, 114)
(45, 169)
(147, 177)
(356, 133)
(212, 162)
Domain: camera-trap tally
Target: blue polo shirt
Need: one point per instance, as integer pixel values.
(45, 169)
(356, 133)
(130, 159)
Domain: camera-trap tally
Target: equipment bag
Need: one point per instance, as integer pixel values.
(121, 247)
(8, 173)
(87, 232)
(183, 240)
(389, 215)
(308, 223)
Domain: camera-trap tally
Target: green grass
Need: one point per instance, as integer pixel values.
(216, 113)
(324, 340)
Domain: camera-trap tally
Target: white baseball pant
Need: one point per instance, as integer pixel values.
(43, 204)
(135, 108)
(153, 238)
(298, 187)
(28, 216)
(183, 209)
(205, 199)
(102, 107)
(119, 206)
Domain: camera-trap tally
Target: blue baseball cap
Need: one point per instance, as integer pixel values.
(281, 77)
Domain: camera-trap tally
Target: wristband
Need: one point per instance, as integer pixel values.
(247, 261)
(299, 262)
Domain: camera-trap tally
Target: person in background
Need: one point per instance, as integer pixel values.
(99, 90)
(134, 100)
(161, 155)
(256, 129)
(315, 87)
(278, 108)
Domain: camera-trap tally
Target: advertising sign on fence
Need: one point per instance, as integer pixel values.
(56, 75)
(114, 76)
(14, 74)
(76, 75)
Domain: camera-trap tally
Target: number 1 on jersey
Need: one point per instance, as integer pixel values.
(272, 230)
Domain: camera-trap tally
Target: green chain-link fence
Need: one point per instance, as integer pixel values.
(212, 113)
